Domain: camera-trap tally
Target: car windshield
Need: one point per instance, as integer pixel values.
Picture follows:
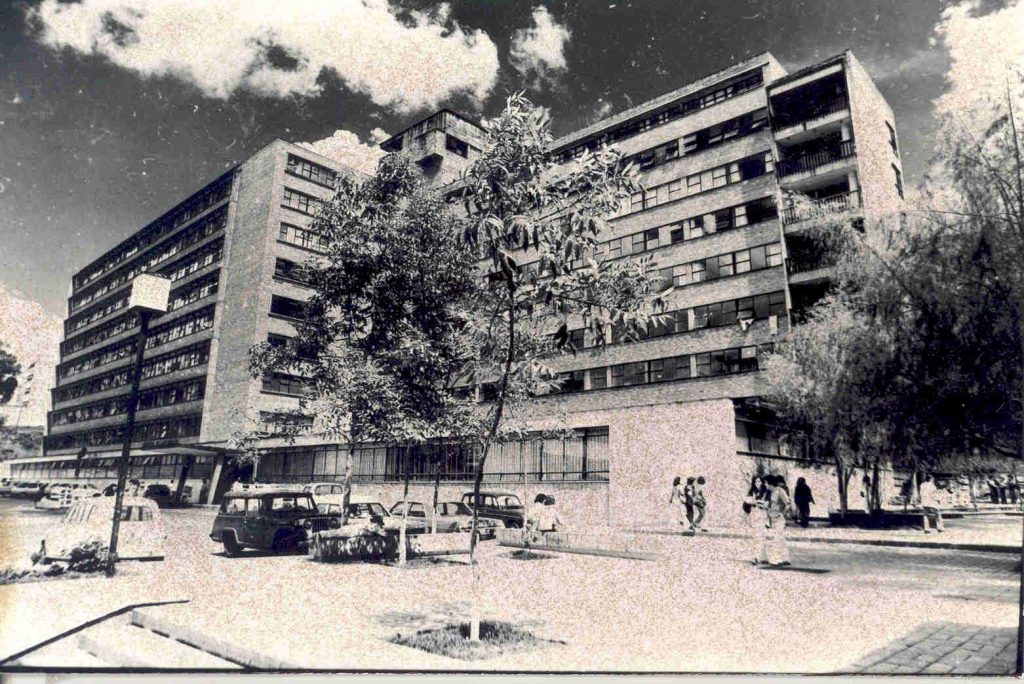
(509, 502)
(365, 510)
(456, 508)
(296, 504)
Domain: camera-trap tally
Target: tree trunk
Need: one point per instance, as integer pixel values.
(843, 481)
(405, 513)
(876, 491)
(437, 485)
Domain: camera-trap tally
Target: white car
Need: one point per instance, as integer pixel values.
(140, 536)
(59, 497)
(325, 492)
(5, 486)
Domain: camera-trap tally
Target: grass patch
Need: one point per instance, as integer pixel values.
(524, 554)
(452, 641)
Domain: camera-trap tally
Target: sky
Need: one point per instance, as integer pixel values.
(112, 111)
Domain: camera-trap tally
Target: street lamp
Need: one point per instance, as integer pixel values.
(148, 296)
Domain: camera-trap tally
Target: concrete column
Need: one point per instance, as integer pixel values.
(218, 465)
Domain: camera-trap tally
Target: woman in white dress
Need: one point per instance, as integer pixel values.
(775, 551)
(678, 498)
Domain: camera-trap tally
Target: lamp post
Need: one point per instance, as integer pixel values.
(149, 295)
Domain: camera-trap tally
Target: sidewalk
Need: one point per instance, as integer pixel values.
(1001, 539)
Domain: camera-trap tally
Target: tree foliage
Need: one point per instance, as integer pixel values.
(10, 369)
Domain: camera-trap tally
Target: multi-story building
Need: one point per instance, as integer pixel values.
(720, 158)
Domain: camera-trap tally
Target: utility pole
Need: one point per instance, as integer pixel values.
(149, 295)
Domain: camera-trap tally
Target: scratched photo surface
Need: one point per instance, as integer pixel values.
(517, 337)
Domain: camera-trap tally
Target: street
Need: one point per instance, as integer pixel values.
(703, 607)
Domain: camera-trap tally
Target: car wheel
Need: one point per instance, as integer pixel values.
(283, 543)
(231, 546)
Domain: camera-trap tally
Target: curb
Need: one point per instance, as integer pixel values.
(898, 543)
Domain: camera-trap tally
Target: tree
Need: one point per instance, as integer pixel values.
(539, 228)
(9, 371)
(381, 341)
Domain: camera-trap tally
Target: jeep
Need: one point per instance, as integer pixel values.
(279, 521)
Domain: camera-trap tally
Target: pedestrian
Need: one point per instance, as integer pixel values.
(803, 498)
(689, 499)
(754, 506)
(531, 526)
(1002, 489)
(700, 504)
(678, 501)
(550, 520)
(993, 490)
(204, 490)
(1014, 489)
(930, 505)
(775, 551)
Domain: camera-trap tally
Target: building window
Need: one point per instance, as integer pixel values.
(287, 307)
(282, 383)
(892, 139)
(300, 201)
(303, 168)
(899, 180)
(289, 270)
(302, 237)
(459, 147)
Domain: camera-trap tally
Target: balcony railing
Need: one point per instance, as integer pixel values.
(834, 204)
(810, 162)
(810, 115)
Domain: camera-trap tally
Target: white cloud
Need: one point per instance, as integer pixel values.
(538, 52)
(279, 48)
(346, 147)
(983, 50)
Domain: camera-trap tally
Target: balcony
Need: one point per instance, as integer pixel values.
(817, 162)
(793, 128)
(810, 270)
(826, 206)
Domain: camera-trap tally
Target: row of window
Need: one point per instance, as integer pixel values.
(176, 393)
(721, 266)
(161, 365)
(302, 237)
(683, 367)
(718, 177)
(197, 233)
(197, 204)
(738, 216)
(287, 307)
(191, 324)
(691, 104)
(92, 386)
(104, 332)
(718, 314)
(167, 428)
(583, 455)
(289, 270)
(146, 468)
(300, 201)
(200, 289)
(297, 166)
(698, 141)
(100, 357)
(185, 267)
(283, 383)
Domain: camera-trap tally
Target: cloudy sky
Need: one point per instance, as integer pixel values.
(113, 110)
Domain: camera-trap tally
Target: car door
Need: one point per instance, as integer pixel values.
(254, 524)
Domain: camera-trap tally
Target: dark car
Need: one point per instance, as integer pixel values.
(159, 494)
(280, 521)
(503, 506)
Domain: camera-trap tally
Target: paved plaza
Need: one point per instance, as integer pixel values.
(701, 608)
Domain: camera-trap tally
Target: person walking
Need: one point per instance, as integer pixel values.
(775, 551)
(803, 498)
(689, 498)
(678, 501)
(754, 506)
(700, 504)
(930, 505)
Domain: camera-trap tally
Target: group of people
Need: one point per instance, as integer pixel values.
(767, 504)
(542, 516)
(690, 502)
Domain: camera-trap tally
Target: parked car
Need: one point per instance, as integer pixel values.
(5, 486)
(502, 506)
(140, 535)
(325, 492)
(27, 490)
(451, 516)
(279, 521)
(160, 493)
(61, 495)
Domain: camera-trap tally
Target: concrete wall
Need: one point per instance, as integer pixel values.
(875, 157)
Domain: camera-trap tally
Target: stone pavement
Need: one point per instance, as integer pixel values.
(944, 648)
